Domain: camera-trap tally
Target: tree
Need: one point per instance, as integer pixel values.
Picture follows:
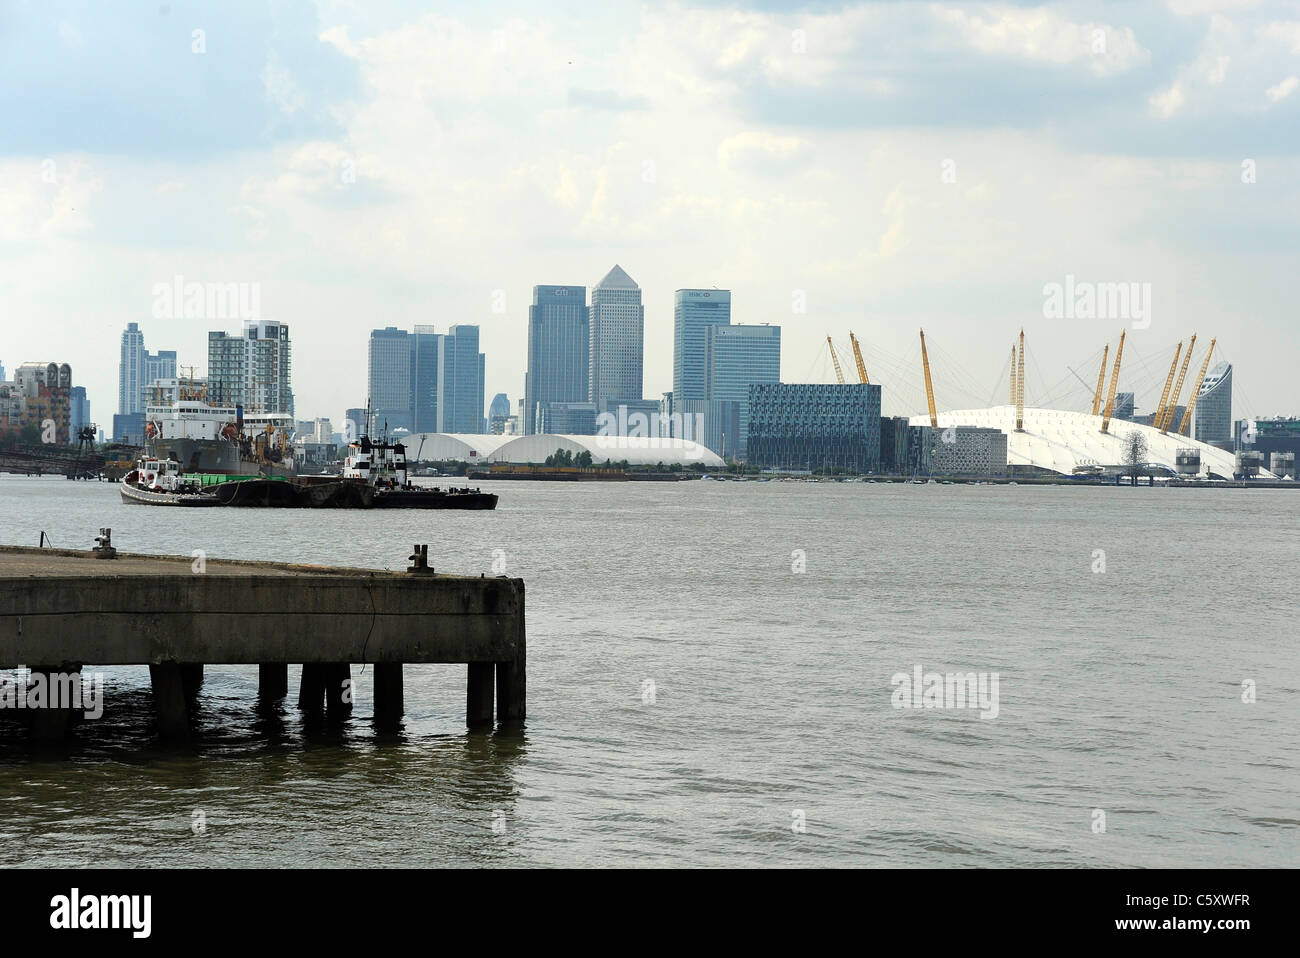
(583, 459)
(1135, 455)
(31, 435)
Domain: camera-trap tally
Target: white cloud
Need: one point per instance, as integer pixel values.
(1283, 90)
(762, 152)
(1044, 36)
(1166, 103)
(490, 175)
(1284, 32)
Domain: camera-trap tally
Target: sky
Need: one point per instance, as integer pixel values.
(874, 167)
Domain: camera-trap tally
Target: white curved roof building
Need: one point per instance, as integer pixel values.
(636, 450)
(1059, 440)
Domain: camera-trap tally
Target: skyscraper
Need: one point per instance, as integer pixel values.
(498, 414)
(78, 411)
(131, 371)
(137, 368)
(735, 358)
(354, 424)
(425, 360)
(694, 312)
(559, 349)
(159, 365)
(253, 369)
(1213, 414)
(617, 339)
(425, 381)
(388, 378)
(460, 381)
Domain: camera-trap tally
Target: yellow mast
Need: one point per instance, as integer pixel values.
(1114, 382)
(1164, 396)
(1020, 385)
(857, 354)
(1178, 388)
(1101, 381)
(929, 388)
(1012, 400)
(1196, 391)
(839, 373)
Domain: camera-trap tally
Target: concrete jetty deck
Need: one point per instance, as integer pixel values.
(62, 610)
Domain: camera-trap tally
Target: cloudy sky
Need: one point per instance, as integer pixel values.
(877, 167)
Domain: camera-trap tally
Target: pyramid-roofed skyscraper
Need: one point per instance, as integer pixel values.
(617, 340)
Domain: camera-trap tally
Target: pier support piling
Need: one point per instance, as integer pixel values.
(511, 691)
(389, 704)
(51, 724)
(311, 690)
(478, 697)
(338, 687)
(169, 701)
(272, 681)
(192, 678)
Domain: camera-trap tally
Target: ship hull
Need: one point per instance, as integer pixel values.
(257, 492)
(433, 499)
(220, 457)
(143, 497)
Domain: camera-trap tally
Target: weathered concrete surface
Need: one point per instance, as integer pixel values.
(62, 606)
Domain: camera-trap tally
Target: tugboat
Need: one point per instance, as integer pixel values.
(382, 466)
(160, 482)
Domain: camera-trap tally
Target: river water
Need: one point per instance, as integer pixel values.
(710, 671)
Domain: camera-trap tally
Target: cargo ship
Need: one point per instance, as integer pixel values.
(219, 440)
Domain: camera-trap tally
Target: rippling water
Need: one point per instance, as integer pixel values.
(1119, 691)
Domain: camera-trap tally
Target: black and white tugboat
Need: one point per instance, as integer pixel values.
(160, 482)
(382, 466)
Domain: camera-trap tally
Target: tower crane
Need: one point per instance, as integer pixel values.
(929, 387)
(839, 373)
(1178, 388)
(1164, 396)
(1101, 381)
(1196, 392)
(857, 354)
(1020, 385)
(1114, 382)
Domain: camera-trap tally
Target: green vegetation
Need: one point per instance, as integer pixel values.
(563, 457)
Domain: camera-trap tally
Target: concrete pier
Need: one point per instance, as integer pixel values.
(76, 609)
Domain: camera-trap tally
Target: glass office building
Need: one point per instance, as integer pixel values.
(559, 349)
(388, 380)
(694, 312)
(815, 426)
(1213, 416)
(460, 381)
(735, 358)
(617, 339)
